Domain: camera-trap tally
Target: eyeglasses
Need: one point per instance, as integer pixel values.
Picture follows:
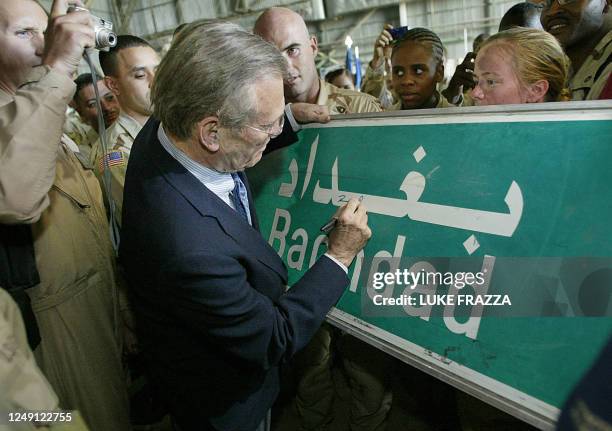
(272, 130)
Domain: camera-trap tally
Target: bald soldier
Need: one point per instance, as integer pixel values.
(370, 400)
(47, 194)
(287, 31)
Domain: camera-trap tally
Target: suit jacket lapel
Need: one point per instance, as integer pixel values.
(209, 204)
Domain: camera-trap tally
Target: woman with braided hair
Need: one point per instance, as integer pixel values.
(417, 67)
(521, 65)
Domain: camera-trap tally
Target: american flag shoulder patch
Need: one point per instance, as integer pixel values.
(112, 158)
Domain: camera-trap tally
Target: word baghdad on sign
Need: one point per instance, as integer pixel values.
(413, 185)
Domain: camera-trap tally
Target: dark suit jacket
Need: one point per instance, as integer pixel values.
(209, 297)
(588, 406)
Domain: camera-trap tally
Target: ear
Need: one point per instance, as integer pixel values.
(607, 6)
(207, 133)
(537, 91)
(439, 75)
(314, 44)
(111, 83)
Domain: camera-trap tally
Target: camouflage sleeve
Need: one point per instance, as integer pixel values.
(372, 104)
(373, 81)
(600, 84)
(112, 168)
(30, 130)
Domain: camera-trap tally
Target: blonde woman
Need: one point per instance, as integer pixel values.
(521, 65)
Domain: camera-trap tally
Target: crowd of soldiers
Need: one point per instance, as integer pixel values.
(58, 182)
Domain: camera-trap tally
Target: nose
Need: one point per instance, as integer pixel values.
(477, 92)
(106, 106)
(150, 77)
(293, 71)
(39, 44)
(276, 132)
(407, 80)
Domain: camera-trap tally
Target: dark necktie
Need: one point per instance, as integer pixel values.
(239, 197)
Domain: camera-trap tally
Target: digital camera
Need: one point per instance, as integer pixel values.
(105, 37)
(398, 32)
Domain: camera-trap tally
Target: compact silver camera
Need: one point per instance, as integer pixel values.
(105, 37)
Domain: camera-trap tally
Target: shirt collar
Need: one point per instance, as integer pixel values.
(600, 49)
(218, 182)
(323, 93)
(129, 124)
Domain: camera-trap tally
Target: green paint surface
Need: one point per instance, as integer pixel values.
(564, 172)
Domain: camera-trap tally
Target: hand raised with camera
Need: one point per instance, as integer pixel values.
(383, 43)
(463, 78)
(67, 37)
(351, 232)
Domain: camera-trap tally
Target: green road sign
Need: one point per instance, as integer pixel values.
(495, 222)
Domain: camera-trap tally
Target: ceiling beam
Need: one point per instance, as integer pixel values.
(366, 16)
(169, 32)
(122, 14)
(126, 16)
(340, 40)
(178, 9)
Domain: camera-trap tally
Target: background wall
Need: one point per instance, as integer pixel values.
(457, 22)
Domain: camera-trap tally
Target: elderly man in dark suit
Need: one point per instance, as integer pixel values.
(209, 294)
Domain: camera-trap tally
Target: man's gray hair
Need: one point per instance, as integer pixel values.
(209, 70)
